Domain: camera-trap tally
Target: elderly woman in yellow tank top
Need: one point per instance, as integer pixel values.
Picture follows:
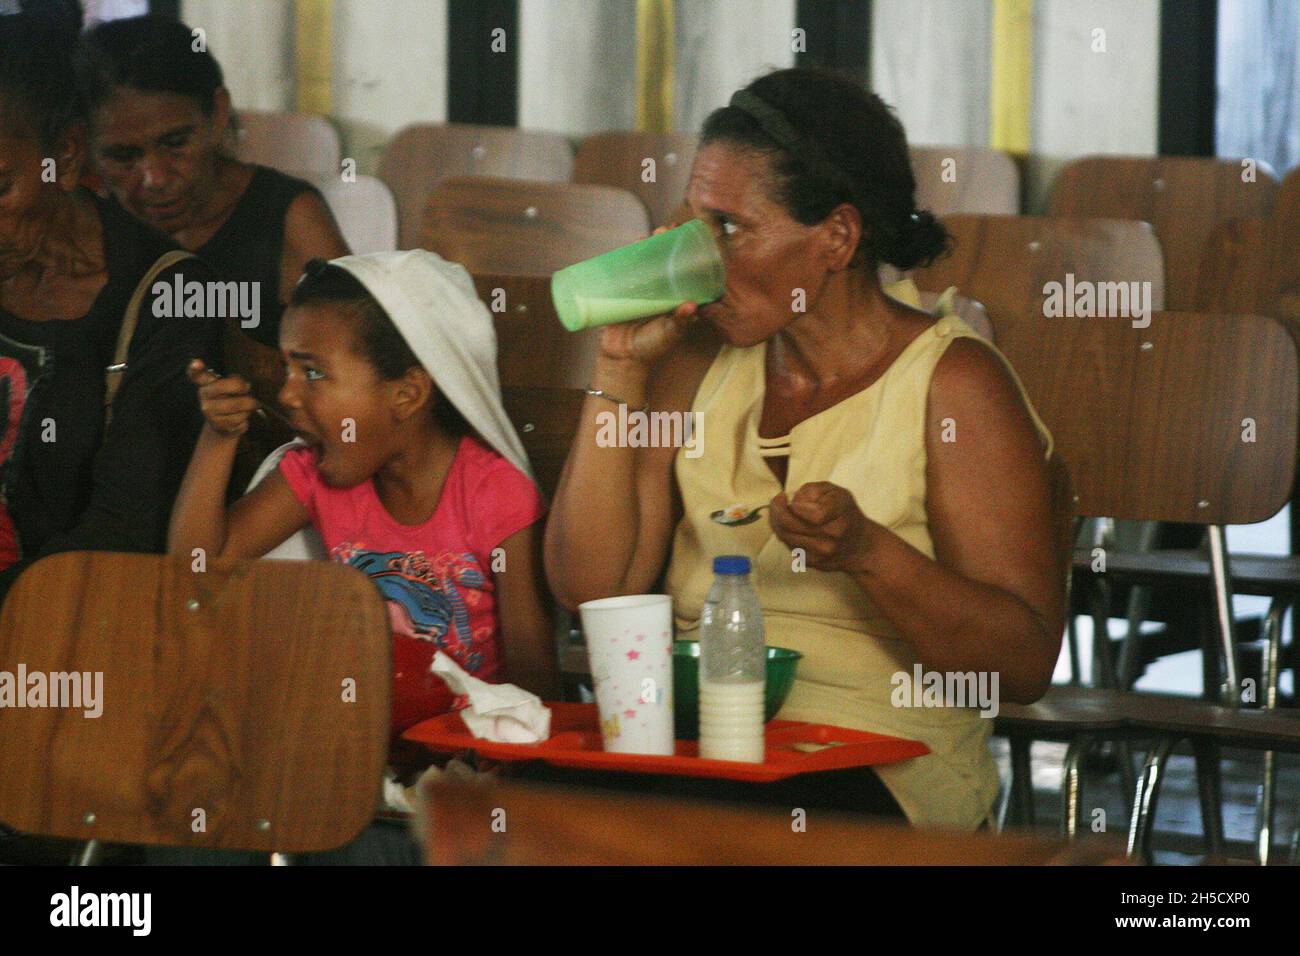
(909, 530)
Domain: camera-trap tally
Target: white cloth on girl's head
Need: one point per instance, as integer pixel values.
(435, 307)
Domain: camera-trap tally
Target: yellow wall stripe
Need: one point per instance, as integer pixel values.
(654, 65)
(1011, 95)
(315, 65)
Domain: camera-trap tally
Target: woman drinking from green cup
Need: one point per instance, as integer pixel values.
(887, 548)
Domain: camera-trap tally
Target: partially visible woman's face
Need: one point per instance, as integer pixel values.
(28, 200)
(157, 154)
(768, 253)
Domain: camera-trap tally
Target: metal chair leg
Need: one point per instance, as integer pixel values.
(1209, 785)
(89, 854)
(1022, 783)
(1268, 779)
(1227, 625)
(1071, 784)
(1104, 671)
(1072, 646)
(1142, 819)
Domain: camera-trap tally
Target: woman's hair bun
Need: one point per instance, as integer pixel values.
(919, 239)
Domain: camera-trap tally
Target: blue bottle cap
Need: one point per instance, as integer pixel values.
(731, 564)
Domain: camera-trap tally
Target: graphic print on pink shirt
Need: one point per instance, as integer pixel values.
(430, 599)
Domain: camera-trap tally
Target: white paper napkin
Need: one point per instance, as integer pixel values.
(499, 712)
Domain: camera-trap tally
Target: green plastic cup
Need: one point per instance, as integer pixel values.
(645, 279)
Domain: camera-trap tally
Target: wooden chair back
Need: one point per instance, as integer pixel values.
(965, 179)
(547, 422)
(534, 350)
(533, 228)
(1183, 197)
(626, 160)
(550, 825)
(419, 157)
(243, 706)
(1192, 419)
(291, 142)
(1009, 264)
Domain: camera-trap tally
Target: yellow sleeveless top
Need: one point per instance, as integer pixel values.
(873, 444)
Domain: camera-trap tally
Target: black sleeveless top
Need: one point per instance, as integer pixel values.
(64, 484)
(249, 244)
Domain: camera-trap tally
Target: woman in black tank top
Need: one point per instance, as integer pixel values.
(159, 118)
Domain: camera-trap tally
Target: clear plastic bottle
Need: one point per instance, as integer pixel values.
(733, 666)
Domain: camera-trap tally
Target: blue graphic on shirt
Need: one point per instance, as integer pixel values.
(430, 593)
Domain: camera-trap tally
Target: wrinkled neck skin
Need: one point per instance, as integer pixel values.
(851, 325)
(68, 242)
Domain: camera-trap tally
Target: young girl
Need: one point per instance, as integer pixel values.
(409, 469)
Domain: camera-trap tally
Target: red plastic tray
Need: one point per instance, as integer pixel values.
(575, 743)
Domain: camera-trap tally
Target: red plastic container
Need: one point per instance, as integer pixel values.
(793, 748)
(418, 693)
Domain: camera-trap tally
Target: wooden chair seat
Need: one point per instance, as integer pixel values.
(1065, 712)
(1265, 575)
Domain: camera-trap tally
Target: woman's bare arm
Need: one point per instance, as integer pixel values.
(612, 520)
(523, 606)
(993, 599)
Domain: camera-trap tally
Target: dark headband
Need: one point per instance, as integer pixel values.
(779, 130)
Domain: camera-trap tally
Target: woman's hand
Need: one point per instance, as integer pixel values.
(648, 341)
(227, 403)
(825, 521)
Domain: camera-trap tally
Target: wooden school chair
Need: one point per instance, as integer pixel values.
(1005, 262)
(534, 350)
(244, 706)
(290, 142)
(568, 826)
(965, 179)
(547, 422)
(421, 156)
(1183, 197)
(1151, 424)
(531, 228)
(655, 167)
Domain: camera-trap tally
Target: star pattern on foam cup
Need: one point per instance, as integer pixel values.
(629, 713)
(633, 655)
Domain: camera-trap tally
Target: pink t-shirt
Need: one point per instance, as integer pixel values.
(437, 576)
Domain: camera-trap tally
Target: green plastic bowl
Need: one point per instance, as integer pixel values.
(781, 666)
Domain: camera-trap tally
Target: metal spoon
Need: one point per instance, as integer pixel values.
(737, 515)
(263, 410)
